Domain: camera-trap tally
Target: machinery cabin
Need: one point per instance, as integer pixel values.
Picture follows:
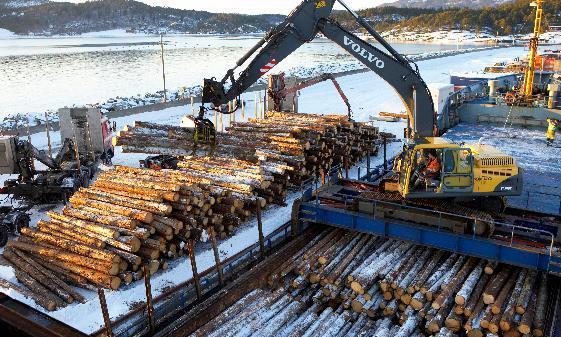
(462, 171)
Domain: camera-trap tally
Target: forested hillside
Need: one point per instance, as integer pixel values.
(68, 18)
(44, 17)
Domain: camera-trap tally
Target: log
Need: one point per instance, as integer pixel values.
(93, 276)
(456, 282)
(504, 294)
(148, 206)
(526, 292)
(64, 230)
(490, 267)
(108, 267)
(41, 294)
(476, 294)
(541, 307)
(64, 274)
(526, 322)
(87, 225)
(70, 245)
(510, 308)
(469, 285)
(495, 285)
(136, 214)
(44, 302)
(85, 213)
(134, 189)
(49, 274)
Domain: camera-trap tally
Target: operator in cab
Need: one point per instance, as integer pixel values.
(430, 171)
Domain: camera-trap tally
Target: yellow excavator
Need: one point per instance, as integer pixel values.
(467, 171)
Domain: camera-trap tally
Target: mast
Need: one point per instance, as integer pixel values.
(531, 70)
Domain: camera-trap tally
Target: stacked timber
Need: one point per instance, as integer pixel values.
(362, 284)
(133, 217)
(301, 145)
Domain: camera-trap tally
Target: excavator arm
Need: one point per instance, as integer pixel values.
(301, 26)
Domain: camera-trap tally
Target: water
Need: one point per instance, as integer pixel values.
(39, 74)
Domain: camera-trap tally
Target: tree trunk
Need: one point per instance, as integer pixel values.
(69, 245)
(495, 285)
(108, 267)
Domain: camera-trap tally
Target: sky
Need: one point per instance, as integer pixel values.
(248, 6)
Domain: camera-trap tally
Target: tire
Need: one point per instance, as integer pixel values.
(21, 222)
(4, 236)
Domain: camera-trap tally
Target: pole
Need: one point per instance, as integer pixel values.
(105, 313)
(163, 67)
(216, 256)
(192, 104)
(385, 155)
(255, 100)
(27, 129)
(191, 251)
(260, 228)
(149, 307)
(47, 127)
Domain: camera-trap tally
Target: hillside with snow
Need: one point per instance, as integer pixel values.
(448, 3)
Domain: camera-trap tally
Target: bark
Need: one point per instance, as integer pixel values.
(70, 245)
(139, 215)
(44, 298)
(495, 285)
(64, 230)
(85, 213)
(541, 307)
(526, 292)
(510, 308)
(52, 276)
(136, 191)
(87, 225)
(475, 296)
(526, 322)
(469, 285)
(108, 267)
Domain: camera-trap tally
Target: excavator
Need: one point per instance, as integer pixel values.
(468, 172)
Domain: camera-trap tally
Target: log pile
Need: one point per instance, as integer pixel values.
(300, 145)
(349, 284)
(129, 218)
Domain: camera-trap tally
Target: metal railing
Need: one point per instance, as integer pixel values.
(505, 227)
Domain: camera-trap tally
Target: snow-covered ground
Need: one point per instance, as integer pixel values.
(368, 95)
(541, 164)
(5, 34)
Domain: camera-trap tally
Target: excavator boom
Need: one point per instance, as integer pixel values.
(301, 26)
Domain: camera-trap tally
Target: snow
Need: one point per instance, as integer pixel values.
(112, 33)
(5, 34)
(541, 164)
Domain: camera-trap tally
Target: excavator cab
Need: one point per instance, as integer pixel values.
(435, 168)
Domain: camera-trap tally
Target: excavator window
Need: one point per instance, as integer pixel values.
(458, 170)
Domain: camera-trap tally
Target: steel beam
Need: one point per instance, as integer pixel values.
(459, 243)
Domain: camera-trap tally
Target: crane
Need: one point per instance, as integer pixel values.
(528, 87)
(477, 171)
(278, 91)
